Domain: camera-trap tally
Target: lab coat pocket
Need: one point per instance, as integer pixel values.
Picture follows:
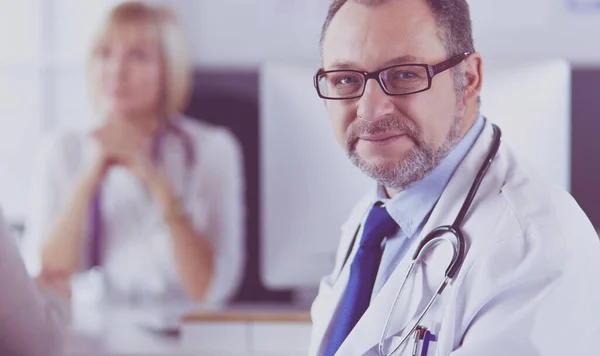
(422, 342)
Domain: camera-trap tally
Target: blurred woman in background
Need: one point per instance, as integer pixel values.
(152, 197)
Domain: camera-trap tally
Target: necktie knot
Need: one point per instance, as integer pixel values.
(379, 225)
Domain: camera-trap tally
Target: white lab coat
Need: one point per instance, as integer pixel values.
(137, 253)
(529, 285)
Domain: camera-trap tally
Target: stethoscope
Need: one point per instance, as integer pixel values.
(441, 234)
(456, 239)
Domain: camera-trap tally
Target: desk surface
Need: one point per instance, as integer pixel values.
(249, 314)
(118, 331)
(127, 330)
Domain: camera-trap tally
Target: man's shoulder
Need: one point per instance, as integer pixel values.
(539, 206)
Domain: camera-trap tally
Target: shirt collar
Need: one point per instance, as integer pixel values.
(411, 207)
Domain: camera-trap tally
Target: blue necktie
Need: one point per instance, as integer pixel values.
(363, 272)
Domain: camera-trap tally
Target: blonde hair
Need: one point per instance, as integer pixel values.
(177, 69)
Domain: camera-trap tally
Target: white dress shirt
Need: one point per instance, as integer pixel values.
(137, 258)
(32, 321)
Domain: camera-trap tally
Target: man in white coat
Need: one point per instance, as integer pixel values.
(401, 81)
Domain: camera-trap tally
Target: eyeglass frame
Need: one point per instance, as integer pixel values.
(432, 71)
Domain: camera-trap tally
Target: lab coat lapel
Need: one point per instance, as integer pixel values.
(426, 276)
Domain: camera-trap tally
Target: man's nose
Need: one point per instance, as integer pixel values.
(374, 103)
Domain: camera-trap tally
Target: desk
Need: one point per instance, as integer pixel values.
(248, 331)
(118, 331)
(231, 331)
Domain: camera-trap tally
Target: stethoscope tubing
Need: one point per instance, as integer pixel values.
(438, 234)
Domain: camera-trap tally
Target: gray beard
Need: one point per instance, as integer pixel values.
(419, 162)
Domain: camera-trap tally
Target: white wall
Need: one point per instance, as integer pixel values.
(43, 44)
(537, 29)
(247, 32)
(42, 48)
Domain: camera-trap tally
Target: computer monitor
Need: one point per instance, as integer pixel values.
(308, 186)
(531, 103)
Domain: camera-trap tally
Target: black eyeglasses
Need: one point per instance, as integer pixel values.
(401, 79)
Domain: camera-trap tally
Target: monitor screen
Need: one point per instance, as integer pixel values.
(308, 186)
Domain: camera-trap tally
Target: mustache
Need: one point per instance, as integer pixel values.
(387, 123)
